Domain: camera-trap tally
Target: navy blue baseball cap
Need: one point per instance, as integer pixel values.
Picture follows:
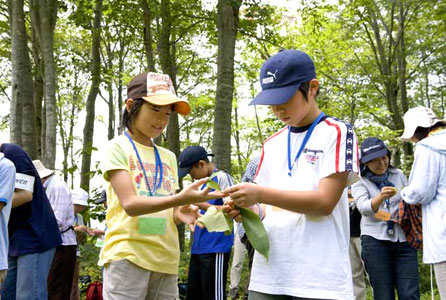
(372, 148)
(189, 157)
(282, 75)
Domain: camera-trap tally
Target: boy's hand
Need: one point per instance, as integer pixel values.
(187, 214)
(230, 209)
(193, 194)
(81, 228)
(244, 194)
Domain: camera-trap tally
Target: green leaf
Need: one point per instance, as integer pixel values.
(215, 220)
(255, 231)
(213, 185)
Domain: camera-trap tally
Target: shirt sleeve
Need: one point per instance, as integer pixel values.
(225, 180)
(423, 177)
(362, 198)
(62, 204)
(114, 158)
(174, 166)
(262, 175)
(341, 152)
(7, 181)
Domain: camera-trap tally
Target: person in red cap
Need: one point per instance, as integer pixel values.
(302, 177)
(141, 252)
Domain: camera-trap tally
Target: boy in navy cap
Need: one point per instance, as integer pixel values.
(210, 251)
(302, 175)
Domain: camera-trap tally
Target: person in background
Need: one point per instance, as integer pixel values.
(7, 183)
(427, 185)
(243, 242)
(33, 231)
(391, 263)
(357, 265)
(210, 251)
(60, 278)
(80, 202)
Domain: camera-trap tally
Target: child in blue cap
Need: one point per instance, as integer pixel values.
(302, 177)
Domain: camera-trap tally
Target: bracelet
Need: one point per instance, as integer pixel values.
(260, 211)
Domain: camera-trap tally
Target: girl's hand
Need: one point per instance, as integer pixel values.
(193, 194)
(244, 194)
(388, 192)
(187, 214)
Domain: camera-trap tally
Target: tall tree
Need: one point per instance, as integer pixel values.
(45, 23)
(22, 120)
(91, 99)
(227, 23)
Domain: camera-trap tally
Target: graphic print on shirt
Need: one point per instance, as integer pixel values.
(168, 180)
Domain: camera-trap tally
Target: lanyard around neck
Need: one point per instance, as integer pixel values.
(304, 142)
(158, 165)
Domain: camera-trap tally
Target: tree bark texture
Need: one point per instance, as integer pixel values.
(45, 17)
(22, 114)
(91, 99)
(148, 38)
(227, 23)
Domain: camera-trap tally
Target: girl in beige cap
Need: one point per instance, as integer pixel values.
(141, 252)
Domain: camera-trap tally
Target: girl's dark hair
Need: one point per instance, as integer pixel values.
(304, 88)
(129, 116)
(422, 132)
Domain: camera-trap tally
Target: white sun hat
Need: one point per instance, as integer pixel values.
(418, 117)
(79, 196)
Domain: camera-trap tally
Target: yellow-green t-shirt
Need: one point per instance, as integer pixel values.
(126, 237)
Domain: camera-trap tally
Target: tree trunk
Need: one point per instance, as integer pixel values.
(167, 61)
(47, 16)
(227, 23)
(148, 39)
(21, 128)
(91, 99)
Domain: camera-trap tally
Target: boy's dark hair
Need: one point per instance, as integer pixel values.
(422, 132)
(129, 116)
(206, 160)
(304, 88)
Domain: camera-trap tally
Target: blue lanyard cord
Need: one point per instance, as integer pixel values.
(158, 165)
(304, 142)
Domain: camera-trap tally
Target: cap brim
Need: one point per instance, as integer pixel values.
(45, 173)
(275, 96)
(183, 171)
(408, 132)
(181, 106)
(369, 157)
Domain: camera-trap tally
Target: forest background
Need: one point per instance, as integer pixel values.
(65, 65)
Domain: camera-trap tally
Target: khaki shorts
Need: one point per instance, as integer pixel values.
(125, 280)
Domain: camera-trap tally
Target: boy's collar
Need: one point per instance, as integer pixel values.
(296, 129)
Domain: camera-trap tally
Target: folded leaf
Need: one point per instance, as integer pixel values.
(215, 220)
(213, 185)
(255, 231)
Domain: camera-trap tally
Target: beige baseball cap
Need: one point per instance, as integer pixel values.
(418, 117)
(156, 89)
(41, 169)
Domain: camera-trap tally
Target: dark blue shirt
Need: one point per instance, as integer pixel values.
(32, 226)
(213, 242)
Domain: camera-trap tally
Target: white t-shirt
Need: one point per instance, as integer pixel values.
(308, 254)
